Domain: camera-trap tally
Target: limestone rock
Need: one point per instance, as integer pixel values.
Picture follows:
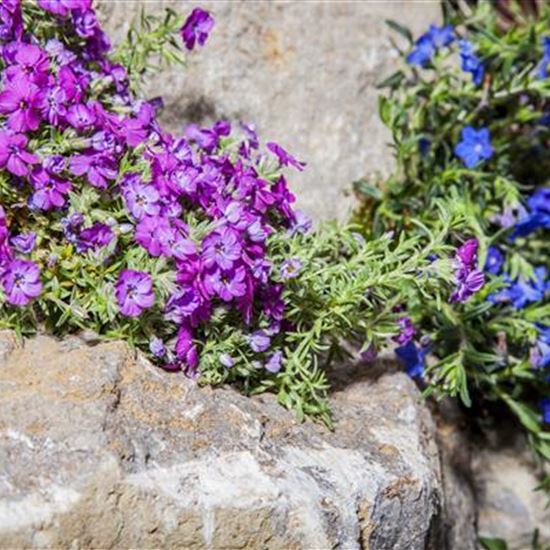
(304, 72)
(101, 450)
(508, 505)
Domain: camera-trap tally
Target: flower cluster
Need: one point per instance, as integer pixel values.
(113, 144)
(477, 155)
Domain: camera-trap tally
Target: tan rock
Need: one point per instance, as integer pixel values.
(102, 450)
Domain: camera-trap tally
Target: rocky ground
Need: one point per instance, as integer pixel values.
(101, 450)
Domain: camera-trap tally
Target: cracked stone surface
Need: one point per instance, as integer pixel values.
(100, 449)
(304, 72)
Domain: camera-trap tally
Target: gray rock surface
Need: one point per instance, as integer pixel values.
(508, 506)
(101, 450)
(304, 72)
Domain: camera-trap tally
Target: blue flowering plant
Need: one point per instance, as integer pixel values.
(469, 114)
(188, 246)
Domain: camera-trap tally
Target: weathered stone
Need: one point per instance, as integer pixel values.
(304, 72)
(100, 449)
(508, 505)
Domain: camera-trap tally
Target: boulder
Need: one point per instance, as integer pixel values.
(102, 450)
(304, 72)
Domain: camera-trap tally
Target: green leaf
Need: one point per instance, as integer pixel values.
(403, 31)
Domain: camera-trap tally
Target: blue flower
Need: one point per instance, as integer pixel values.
(545, 408)
(412, 358)
(427, 44)
(538, 215)
(540, 354)
(542, 68)
(471, 62)
(523, 292)
(441, 36)
(539, 201)
(494, 260)
(474, 147)
(422, 52)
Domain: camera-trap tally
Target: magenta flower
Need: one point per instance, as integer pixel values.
(183, 303)
(25, 242)
(97, 236)
(21, 101)
(469, 279)
(285, 158)
(407, 331)
(196, 28)
(152, 233)
(98, 168)
(227, 284)
(290, 269)
(141, 200)
(259, 341)
(50, 192)
(53, 106)
(134, 292)
(21, 282)
(274, 363)
(30, 62)
(79, 116)
(57, 7)
(186, 350)
(222, 249)
(13, 154)
(85, 23)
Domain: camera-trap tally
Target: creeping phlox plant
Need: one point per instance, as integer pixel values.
(187, 247)
(469, 113)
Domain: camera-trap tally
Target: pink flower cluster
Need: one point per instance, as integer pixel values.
(52, 86)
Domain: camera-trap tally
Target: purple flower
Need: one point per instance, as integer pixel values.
(98, 168)
(52, 104)
(141, 200)
(21, 282)
(151, 234)
(466, 255)
(474, 146)
(49, 191)
(183, 303)
(274, 363)
(468, 279)
(97, 236)
(57, 7)
(301, 223)
(85, 23)
(24, 242)
(30, 62)
(21, 101)
(290, 269)
(157, 347)
(468, 285)
(259, 341)
(196, 28)
(285, 158)
(134, 292)
(407, 331)
(13, 154)
(186, 350)
(79, 116)
(226, 360)
(227, 284)
(222, 249)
